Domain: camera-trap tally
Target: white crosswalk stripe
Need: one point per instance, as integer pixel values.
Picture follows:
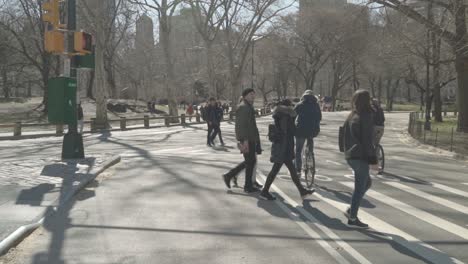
(424, 250)
(430, 197)
(450, 189)
(360, 258)
(420, 214)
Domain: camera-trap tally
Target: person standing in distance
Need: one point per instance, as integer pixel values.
(360, 151)
(248, 141)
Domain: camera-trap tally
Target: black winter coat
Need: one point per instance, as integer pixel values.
(308, 118)
(283, 150)
(359, 137)
(212, 114)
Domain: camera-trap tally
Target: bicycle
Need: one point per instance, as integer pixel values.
(309, 164)
(380, 158)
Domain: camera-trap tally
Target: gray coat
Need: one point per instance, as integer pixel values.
(283, 150)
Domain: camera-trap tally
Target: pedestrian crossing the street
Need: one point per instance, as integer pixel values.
(392, 229)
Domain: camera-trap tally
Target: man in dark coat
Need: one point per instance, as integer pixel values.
(248, 141)
(307, 124)
(282, 150)
(211, 120)
(217, 124)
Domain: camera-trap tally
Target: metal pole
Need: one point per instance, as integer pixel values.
(437, 134)
(72, 147)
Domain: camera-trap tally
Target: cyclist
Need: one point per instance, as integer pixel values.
(379, 124)
(307, 124)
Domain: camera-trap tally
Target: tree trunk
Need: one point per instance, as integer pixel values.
(101, 83)
(408, 88)
(387, 93)
(45, 82)
(6, 88)
(436, 80)
(29, 90)
(391, 98)
(164, 31)
(372, 86)
(110, 76)
(461, 66)
(379, 89)
(90, 84)
(210, 69)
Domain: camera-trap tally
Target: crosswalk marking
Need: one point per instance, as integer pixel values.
(422, 215)
(450, 189)
(334, 162)
(426, 251)
(360, 258)
(430, 197)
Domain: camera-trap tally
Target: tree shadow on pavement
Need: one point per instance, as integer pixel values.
(35, 195)
(400, 244)
(345, 196)
(57, 221)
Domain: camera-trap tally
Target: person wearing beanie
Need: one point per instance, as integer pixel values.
(307, 124)
(248, 139)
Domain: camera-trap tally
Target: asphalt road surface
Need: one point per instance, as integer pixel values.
(166, 203)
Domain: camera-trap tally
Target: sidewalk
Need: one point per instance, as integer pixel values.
(33, 186)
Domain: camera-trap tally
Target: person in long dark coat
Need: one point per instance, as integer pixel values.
(282, 150)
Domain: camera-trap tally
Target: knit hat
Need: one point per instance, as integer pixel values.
(308, 93)
(247, 91)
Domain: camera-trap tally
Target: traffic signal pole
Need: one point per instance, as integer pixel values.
(72, 147)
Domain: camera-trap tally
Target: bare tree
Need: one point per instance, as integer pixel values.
(23, 21)
(455, 35)
(242, 21)
(208, 17)
(164, 10)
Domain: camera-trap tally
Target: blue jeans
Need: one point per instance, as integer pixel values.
(299, 146)
(362, 183)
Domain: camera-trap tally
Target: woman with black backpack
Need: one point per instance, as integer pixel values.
(359, 151)
(282, 150)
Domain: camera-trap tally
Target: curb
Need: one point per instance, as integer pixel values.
(22, 232)
(407, 139)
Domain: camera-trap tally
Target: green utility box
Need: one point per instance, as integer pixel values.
(61, 101)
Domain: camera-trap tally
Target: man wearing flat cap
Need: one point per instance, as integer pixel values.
(248, 141)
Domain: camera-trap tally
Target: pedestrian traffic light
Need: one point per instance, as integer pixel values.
(83, 42)
(51, 13)
(54, 42)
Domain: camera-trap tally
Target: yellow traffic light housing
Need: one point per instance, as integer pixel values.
(51, 13)
(54, 42)
(83, 42)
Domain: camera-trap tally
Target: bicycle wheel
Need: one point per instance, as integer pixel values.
(381, 158)
(309, 167)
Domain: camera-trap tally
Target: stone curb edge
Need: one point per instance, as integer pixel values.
(22, 232)
(406, 138)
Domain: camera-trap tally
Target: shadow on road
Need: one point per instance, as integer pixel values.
(57, 222)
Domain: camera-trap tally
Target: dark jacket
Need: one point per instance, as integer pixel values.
(283, 150)
(212, 114)
(358, 140)
(219, 114)
(246, 126)
(379, 117)
(308, 118)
